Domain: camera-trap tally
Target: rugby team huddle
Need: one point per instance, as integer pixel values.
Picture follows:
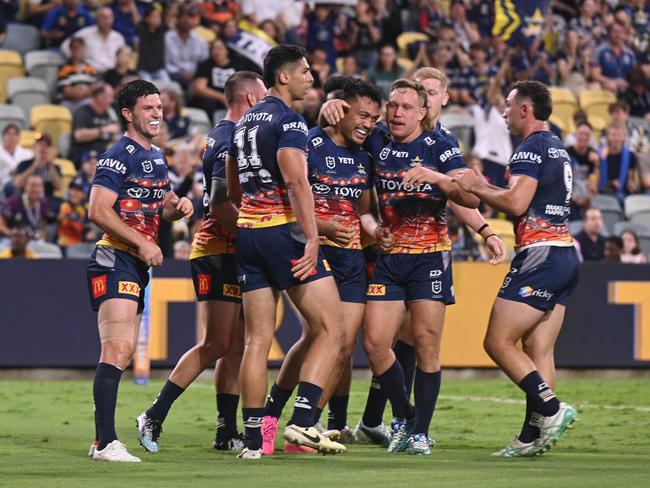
(348, 219)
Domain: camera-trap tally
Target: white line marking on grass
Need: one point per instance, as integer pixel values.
(513, 401)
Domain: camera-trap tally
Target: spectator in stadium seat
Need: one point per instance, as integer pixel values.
(63, 21)
(11, 155)
(127, 14)
(636, 138)
(365, 35)
(41, 164)
(182, 250)
(19, 239)
(29, 207)
(36, 10)
(218, 11)
(184, 49)
(475, 79)
(466, 34)
(102, 42)
(73, 216)
(8, 10)
(618, 166)
(124, 60)
(613, 249)
(585, 164)
(573, 63)
(151, 46)
(590, 238)
(76, 77)
(311, 105)
(3, 29)
(87, 168)
(588, 24)
(177, 123)
(350, 67)
(637, 94)
(613, 60)
(430, 17)
(386, 71)
(631, 250)
(94, 125)
(320, 32)
(533, 64)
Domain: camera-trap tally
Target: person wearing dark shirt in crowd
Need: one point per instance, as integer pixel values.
(176, 123)
(320, 32)
(43, 165)
(3, 29)
(618, 166)
(573, 62)
(63, 21)
(590, 239)
(115, 76)
(210, 78)
(311, 105)
(76, 77)
(128, 14)
(386, 71)
(19, 239)
(637, 94)
(533, 64)
(365, 34)
(613, 249)
(613, 60)
(36, 10)
(151, 47)
(73, 216)
(93, 125)
(474, 81)
(87, 169)
(8, 10)
(29, 207)
(588, 23)
(430, 17)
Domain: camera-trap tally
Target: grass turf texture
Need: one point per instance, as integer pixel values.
(46, 428)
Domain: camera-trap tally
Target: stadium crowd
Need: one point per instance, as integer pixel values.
(190, 49)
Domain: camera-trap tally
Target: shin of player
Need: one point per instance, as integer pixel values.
(130, 193)
(277, 249)
(215, 283)
(531, 302)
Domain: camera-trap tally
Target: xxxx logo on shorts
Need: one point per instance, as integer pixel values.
(128, 288)
(232, 291)
(98, 284)
(376, 290)
(205, 283)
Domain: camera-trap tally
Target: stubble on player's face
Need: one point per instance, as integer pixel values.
(148, 116)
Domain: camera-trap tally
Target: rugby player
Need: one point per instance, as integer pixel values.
(215, 283)
(130, 193)
(341, 180)
(278, 249)
(530, 305)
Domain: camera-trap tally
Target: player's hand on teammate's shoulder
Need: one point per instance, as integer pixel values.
(339, 230)
(420, 174)
(385, 238)
(150, 253)
(333, 111)
(305, 266)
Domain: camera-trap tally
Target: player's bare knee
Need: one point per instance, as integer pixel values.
(117, 353)
(215, 347)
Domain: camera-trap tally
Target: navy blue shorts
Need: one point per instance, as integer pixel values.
(264, 257)
(370, 254)
(412, 277)
(112, 273)
(215, 278)
(349, 270)
(542, 276)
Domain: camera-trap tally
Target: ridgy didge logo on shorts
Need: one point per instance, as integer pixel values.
(529, 291)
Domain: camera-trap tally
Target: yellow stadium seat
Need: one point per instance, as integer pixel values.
(564, 106)
(406, 38)
(68, 172)
(27, 138)
(208, 35)
(53, 119)
(11, 66)
(405, 63)
(596, 103)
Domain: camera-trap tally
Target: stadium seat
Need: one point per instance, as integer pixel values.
(636, 204)
(64, 144)
(45, 250)
(172, 86)
(11, 65)
(610, 209)
(564, 106)
(44, 65)
(405, 63)
(26, 92)
(218, 115)
(461, 125)
(22, 38)
(575, 227)
(628, 225)
(596, 103)
(68, 171)
(198, 119)
(11, 114)
(53, 119)
(28, 138)
(83, 250)
(406, 38)
(208, 35)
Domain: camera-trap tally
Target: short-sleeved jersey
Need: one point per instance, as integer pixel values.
(415, 215)
(264, 130)
(546, 222)
(139, 177)
(212, 238)
(338, 176)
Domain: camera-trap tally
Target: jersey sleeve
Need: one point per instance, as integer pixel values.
(111, 172)
(292, 132)
(375, 140)
(527, 161)
(447, 156)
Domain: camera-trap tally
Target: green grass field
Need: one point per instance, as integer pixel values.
(46, 428)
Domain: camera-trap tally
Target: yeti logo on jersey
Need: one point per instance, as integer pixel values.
(320, 188)
(384, 153)
(526, 157)
(429, 141)
(113, 165)
(130, 148)
(317, 141)
(147, 166)
(330, 162)
(436, 287)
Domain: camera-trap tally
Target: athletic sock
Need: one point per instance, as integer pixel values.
(96, 423)
(305, 405)
(392, 382)
(107, 381)
(375, 404)
(338, 414)
(530, 429)
(160, 408)
(545, 401)
(226, 415)
(253, 427)
(277, 400)
(318, 412)
(405, 354)
(427, 388)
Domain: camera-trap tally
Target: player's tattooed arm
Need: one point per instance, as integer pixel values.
(221, 208)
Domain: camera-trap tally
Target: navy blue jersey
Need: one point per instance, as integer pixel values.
(266, 128)
(542, 156)
(338, 176)
(416, 215)
(139, 177)
(212, 238)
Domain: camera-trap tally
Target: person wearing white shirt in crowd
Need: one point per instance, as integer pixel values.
(11, 154)
(184, 49)
(102, 42)
(287, 12)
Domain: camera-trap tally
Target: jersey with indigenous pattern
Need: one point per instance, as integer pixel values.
(542, 156)
(212, 238)
(338, 176)
(266, 128)
(139, 177)
(415, 214)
